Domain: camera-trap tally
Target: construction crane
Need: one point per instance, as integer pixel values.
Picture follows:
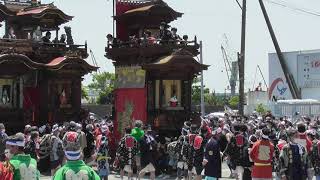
(94, 61)
(255, 77)
(231, 68)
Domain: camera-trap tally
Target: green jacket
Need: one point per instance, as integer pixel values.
(75, 170)
(24, 166)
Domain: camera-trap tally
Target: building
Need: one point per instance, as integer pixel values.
(40, 79)
(153, 75)
(304, 66)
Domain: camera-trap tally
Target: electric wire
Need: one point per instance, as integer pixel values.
(285, 4)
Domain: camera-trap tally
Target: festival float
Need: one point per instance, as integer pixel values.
(153, 76)
(40, 78)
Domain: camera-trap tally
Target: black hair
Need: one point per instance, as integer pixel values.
(128, 130)
(148, 33)
(301, 128)
(237, 127)
(291, 132)
(243, 128)
(109, 36)
(34, 134)
(266, 131)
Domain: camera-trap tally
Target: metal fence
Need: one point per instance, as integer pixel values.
(290, 110)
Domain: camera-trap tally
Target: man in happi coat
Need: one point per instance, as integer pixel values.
(148, 147)
(126, 152)
(304, 141)
(196, 154)
(23, 165)
(262, 155)
(293, 159)
(182, 151)
(74, 168)
(237, 149)
(278, 148)
(102, 154)
(315, 153)
(212, 158)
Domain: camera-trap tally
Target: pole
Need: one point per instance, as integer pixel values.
(291, 83)
(202, 91)
(113, 15)
(241, 58)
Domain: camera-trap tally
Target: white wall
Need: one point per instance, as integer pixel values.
(279, 88)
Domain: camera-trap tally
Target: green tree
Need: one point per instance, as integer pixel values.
(104, 82)
(261, 109)
(234, 101)
(84, 93)
(196, 91)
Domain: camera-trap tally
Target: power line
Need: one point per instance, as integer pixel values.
(239, 4)
(293, 8)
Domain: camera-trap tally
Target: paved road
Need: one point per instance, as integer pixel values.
(225, 173)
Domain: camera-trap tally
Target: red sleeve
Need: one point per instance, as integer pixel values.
(309, 145)
(253, 151)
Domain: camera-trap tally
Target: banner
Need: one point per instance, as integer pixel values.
(130, 77)
(130, 105)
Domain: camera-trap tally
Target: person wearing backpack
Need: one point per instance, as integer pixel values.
(44, 153)
(196, 154)
(236, 149)
(293, 159)
(57, 153)
(23, 165)
(74, 169)
(315, 153)
(31, 146)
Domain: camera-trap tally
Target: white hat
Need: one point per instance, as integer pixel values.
(217, 131)
(104, 128)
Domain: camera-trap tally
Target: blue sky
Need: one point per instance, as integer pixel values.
(209, 20)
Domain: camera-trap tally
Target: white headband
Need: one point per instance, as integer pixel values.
(15, 143)
(73, 155)
(264, 136)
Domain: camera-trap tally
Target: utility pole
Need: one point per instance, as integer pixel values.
(114, 4)
(202, 86)
(241, 58)
(289, 78)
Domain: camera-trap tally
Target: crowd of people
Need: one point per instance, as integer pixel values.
(254, 147)
(36, 35)
(148, 37)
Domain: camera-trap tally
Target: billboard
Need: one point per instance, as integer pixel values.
(309, 70)
(278, 86)
(130, 77)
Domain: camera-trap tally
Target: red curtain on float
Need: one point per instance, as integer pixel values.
(130, 104)
(122, 31)
(31, 101)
